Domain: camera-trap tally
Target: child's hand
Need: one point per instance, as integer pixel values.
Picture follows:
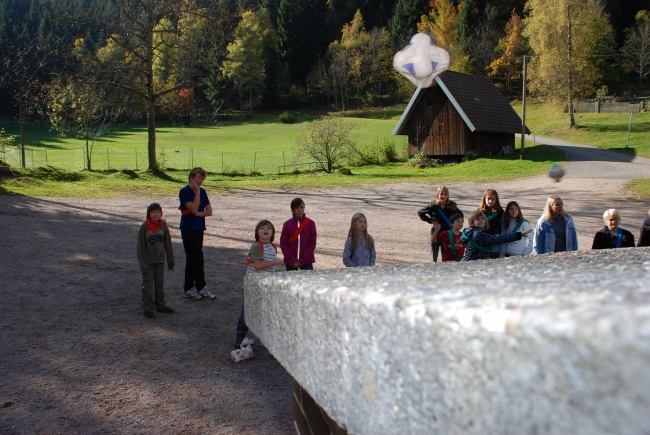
(296, 265)
(195, 188)
(523, 233)
(436, 226)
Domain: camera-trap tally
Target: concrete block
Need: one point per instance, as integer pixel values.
(549, 344)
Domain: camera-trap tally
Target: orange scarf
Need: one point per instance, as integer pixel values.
(155, 227)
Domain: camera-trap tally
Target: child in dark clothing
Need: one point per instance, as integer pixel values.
(195, 207)
(478, 241)
(453, 248)
(154, 244)
(439, 210)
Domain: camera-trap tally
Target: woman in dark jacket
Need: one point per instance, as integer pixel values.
(644, 237)
(439, 210)
(612, 236)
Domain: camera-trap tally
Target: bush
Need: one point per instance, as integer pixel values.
(366, 155)
(287, 118)
(421, 161)
(388, 152)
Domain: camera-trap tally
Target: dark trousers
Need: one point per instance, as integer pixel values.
(241, 323)
(194, 274)
(303, 267)
(434, 252)
(153, 279)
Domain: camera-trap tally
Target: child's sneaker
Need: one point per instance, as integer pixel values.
(192, 294)
(237, 356)
(207, 293)
(247, 342)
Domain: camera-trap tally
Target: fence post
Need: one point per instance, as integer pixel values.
(222, 162)
(108, 161)
(32, 158)
(46, 158)
(254, 161)
(629, 127)
(136, 159)
(192, 157)
(377, 150)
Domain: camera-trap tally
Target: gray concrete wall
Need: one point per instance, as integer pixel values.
(550, 344)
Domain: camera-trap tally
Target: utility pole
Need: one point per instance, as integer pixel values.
(571, 118)
(523, 112)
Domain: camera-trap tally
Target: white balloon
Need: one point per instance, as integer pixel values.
(421, 61)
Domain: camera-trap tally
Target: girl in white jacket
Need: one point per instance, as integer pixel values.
(513, 221)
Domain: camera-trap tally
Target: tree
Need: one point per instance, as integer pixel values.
(79, 103)
(6, 142)
(327, 141)
(481, 47)
(28, 58)
(303, 35)
(245, 63)
(637, 45)
(567, 37)
(512, 47)
(151, 50)
(441, 23)
(405, 21)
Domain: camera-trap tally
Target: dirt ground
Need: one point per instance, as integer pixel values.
(78, 357)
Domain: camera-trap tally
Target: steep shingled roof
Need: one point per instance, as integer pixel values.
(477, 100)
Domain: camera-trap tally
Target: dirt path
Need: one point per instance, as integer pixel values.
(78, 356)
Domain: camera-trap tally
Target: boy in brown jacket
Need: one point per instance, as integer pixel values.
(154, 244)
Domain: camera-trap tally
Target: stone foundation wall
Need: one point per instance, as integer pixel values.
(308, 417)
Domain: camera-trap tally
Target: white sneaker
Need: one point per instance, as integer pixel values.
(207, 293)
(192, 294)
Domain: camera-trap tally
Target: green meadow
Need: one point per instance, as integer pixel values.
(603, 130)
(234, 144)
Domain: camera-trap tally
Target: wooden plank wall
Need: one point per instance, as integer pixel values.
(437, 129)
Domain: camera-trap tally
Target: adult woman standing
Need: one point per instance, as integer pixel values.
(612, 236)
(439, 210)
(555, 231)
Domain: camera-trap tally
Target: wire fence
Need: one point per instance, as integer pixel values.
(225, 162)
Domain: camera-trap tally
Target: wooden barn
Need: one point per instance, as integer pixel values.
(459, 115)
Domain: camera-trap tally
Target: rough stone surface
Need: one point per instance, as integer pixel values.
(551, 344)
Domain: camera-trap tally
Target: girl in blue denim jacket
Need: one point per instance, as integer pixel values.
(555, 231)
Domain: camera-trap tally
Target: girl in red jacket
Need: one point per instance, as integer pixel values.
(298, 239)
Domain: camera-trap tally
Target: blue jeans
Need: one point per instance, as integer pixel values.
(241, 323)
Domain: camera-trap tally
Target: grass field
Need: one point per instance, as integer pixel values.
(603, 130)
(49, 181)
(261, 143)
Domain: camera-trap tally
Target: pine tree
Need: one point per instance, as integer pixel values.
(405, 19)
(303, 35)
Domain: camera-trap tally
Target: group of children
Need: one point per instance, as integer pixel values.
(493, 232)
